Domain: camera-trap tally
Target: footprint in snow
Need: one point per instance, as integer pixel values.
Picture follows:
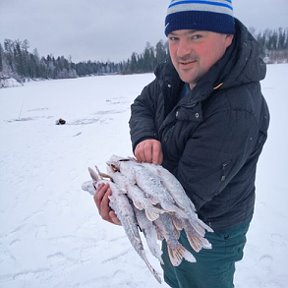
(265, 262)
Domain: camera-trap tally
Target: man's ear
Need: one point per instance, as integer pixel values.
(228, 40)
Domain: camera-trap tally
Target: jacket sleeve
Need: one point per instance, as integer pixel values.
(143, 110)
(214, 154)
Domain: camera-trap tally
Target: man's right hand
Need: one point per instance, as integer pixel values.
(149, 151)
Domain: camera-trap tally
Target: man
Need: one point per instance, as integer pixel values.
(205, 120)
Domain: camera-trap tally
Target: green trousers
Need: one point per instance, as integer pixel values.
(214, 268)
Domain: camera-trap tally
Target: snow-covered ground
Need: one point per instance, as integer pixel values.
(9, 82)
(50, 232)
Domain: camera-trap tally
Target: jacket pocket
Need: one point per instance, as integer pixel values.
(224, 170)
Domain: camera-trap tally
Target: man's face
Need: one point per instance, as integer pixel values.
(193, 53)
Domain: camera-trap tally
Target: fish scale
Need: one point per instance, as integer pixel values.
(136, 194)
(150, 184)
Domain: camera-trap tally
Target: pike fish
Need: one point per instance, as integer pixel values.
(176, 250)
(148, 198)
(135, 193)
(194, 227)
(149, 230)
(179, 195)
(160, 184)
(148, 182)
(119, 202)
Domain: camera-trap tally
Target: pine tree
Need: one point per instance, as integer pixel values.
(149, 62)
(1, 58)
(19, 60)
(133, 65)
(8, 47)
(161, 52)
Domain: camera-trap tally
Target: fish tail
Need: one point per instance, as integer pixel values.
(177, 253)
(206, 244)
(200, 227)
(204, 226)
(198, 243)
(194, 241)
(150, 267)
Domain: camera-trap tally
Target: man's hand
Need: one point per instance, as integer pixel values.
(101, 199)
(149, 151)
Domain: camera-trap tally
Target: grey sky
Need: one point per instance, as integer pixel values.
(109, 29)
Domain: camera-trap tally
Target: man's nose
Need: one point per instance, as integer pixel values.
(183, 48)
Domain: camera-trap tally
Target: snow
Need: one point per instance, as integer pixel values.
(51, 234)
(9, 82)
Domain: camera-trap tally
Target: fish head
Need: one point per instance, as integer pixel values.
(113, 167)
(95, 175)
(114, 162)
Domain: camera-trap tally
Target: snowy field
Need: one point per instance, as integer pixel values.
(50, 232)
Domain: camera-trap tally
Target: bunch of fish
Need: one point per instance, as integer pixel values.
(148, 198)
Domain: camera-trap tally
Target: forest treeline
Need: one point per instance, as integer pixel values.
(16, 61)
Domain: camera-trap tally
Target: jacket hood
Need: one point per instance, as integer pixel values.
(242, 63)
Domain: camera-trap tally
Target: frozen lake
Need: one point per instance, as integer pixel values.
(51, 234)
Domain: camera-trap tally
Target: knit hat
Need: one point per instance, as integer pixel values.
(213, 15)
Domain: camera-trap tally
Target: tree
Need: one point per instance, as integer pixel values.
(149, 61)
(9, 47)
(133, 63)
(161, 51)
(1, 57)
(19, 60)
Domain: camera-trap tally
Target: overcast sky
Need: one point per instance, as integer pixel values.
(109, 29)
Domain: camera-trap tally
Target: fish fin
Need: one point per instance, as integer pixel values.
(194, 241)
(137, 204)
(152, 214)
(199, 226)
(188, 256)
(177, 233)
(192, 206)
(177, 222)
(160, 237)
(177, 254)
(178, 211)
(153, 200)
(206, 244)
(204, 225)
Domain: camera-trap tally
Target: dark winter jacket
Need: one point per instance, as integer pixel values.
(212, 136)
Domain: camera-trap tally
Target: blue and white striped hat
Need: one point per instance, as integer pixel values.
(213, 15)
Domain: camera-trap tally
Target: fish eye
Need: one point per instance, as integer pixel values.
(114, 168)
